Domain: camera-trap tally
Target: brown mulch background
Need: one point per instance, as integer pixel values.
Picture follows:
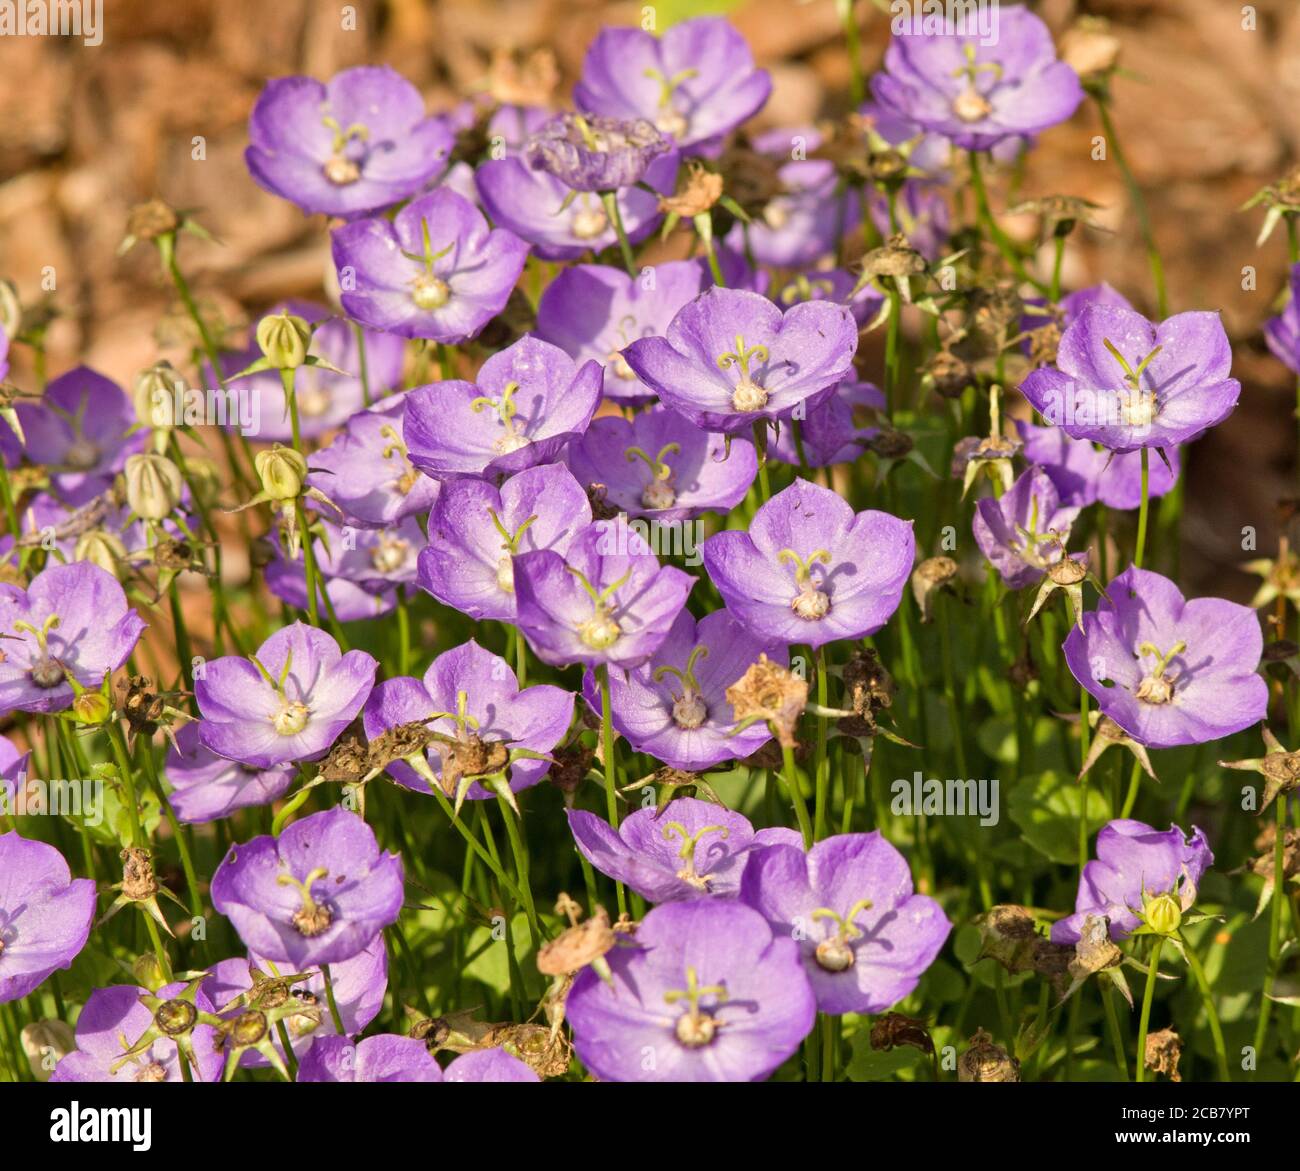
(1208, 113)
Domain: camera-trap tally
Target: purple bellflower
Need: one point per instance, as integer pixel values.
(475, 530)
(696, 82)
(1137, 870)
(731, 358)
(81, 429)
(975, 94)
(1166, 670)
(289, 702)
(63, 634)
(864, 937)
(707, 993)
(436, 270)
(45, 914)
(661, 466)
(687, 850)
(357, 144)
(1125, 383)
(606, 600)
(317, 894)
(810, 570)
(529, 402)
(675, 707)
(1023, 532)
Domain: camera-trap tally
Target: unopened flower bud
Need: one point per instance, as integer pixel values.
(101, 548)
(284, 338)
(282, 472)
(11, 309)
(1163, 914)
(153, 486)
(46, 1043)
(1090, 48)
(148, 972)
(159, 392)
(91, 708)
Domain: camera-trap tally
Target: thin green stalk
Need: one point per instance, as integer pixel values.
(1140, 551)
(1147, 996)
(1139, 208)
(329, 996)
(615, 215)
(611, 765)
(1274, 922)
(1000, 239)
(118, 741)
(852, 44)
(821, 766)
(519, 848)
(1134, 780)
(1211, 1013)
(790, 775)
(1112, 1024)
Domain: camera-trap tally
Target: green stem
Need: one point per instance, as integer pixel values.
(1147, 996)
(1139, 208)
(821, 767)
(615, 214)
(519, 848)
(1140, 551)
(1274, 923)
(1211, 1013)
(1112, 1023)
(1134, 781)
(611, 765)
(790, 775)
(118, 741)
(329, 996)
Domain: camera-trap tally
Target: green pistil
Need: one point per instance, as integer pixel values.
(810, 603)
(970, 105)
(695, 1028)
(395, 448)
(44, 671)
(1032, 538)
(658, 493)
(667, 84)
(428, 290)
(747, 395)
(600, 631)
(686, 677)
(1155, 688)
(1141, 408)
(293, 714)
(312, 918)
(459, 717)
(339, 169)
(342, 137)
(506, 411)
(687, 852)
(834, 953)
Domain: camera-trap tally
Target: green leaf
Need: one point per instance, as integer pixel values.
(1047, 811)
